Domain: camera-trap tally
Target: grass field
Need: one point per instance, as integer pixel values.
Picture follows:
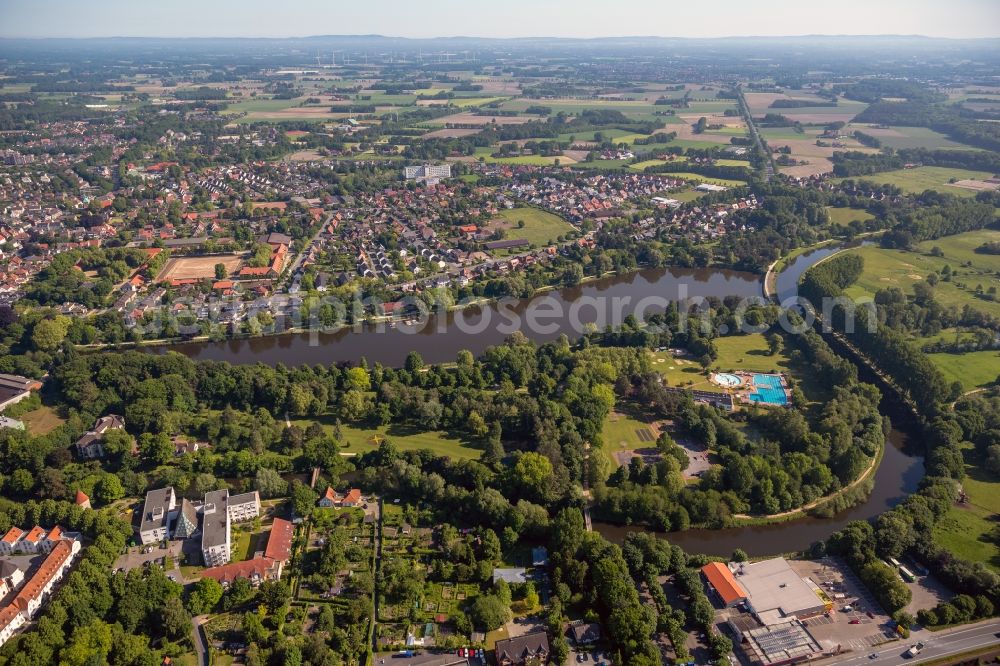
(485, 154)
(736, 352)
(923, 178)
(360, 439)
(969, 531)
(41, 421)
(899, 268)
(540, 227)
(622, 432)
(971, 369)
(844, 216)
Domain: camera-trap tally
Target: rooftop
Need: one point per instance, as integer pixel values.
(156, 509)
(215, 521)
(772, 585)
(723, 582)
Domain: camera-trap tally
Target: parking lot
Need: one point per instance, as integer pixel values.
(154, 554)
(856, 622)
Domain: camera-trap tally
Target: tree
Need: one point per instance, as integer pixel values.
(489, 612)
(303, 499)
(48, 334)
(155, 449)
(176, 621)
(532, 472)
(358, 379)
(274, 594)
(269, 483)
(108, 489)
(205, 596)
(220, 271)
(414, 362)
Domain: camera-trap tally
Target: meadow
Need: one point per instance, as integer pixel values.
(844, 216)
(540, 227)
(969, 531)
(361, 438)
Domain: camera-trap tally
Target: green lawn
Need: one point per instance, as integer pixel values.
(900, 268)
(362, 439)
(971, 369)
(529, 160)
(844, 216)
(736, 352)
(259, 105)
(41, 421)
(969, 531)
(540, 227)
(923, 178)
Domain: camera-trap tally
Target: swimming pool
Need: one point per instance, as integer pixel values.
(767, 389)
(726, 379)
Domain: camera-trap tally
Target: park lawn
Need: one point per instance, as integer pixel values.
(684, 372)
(41, 421)
(621, 433)
(749, 352)
(901, 268)
(540, 227)
(971, 369)
(923, 178)
(358, 439)
(844, 216)
(733, 163)
(969, 530)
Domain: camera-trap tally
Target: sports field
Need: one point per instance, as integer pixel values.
(540, 228)
(198, 268)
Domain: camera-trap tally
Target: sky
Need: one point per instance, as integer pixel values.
(488, 18)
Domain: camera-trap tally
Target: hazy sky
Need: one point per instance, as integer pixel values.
(491, 18)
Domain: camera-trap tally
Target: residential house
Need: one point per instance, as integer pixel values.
(531, 648)
(279, 544)
(90, 446)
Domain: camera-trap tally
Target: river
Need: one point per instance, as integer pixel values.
(615, 296)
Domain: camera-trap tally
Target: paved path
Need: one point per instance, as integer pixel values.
(198, 636)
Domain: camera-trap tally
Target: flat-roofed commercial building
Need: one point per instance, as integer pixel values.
(775, 592)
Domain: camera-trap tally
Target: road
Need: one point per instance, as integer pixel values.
(199, 639)
(938, 644)
(300, 257)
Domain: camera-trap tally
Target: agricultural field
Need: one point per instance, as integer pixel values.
(908, 137)
(901, 268)
(540, 227)
(969, 530)
(923, 178)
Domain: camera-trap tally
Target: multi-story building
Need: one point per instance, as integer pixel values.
(187, 520)
(427, 171)
(243, 507)
(38, 588)
(216, 532)
(156, 514)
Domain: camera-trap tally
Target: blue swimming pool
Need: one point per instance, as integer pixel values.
(767, 389)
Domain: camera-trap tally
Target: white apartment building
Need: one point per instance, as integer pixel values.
(157, 511)
(38, 588)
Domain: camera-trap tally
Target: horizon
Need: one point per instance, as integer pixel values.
(519, 19)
